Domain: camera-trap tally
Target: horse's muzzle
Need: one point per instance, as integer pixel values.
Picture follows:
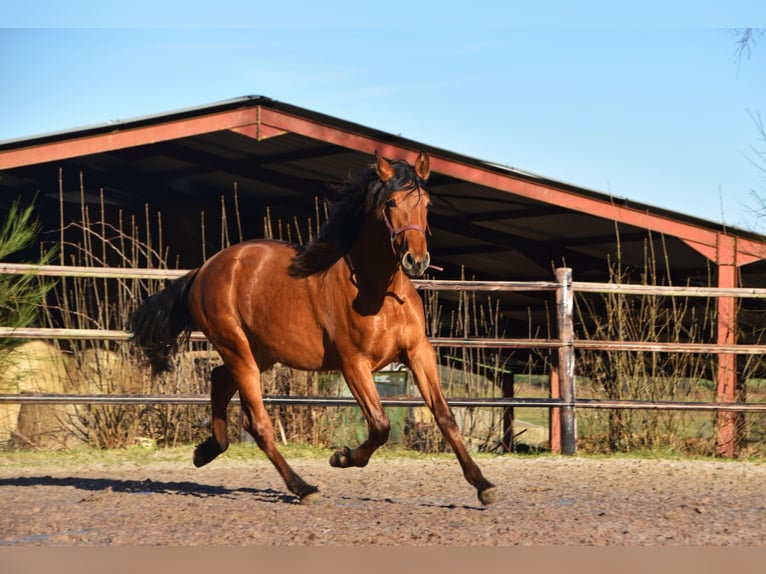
(415, 266)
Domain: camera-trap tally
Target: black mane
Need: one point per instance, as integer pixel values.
(349, 203)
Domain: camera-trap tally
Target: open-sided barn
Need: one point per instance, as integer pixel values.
(489, 222)
(497, 222)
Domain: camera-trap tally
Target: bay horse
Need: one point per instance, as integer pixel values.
(343, 302)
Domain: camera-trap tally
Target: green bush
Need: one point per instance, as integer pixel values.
(21, 296)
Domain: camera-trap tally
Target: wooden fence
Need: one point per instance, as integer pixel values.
(562, 403)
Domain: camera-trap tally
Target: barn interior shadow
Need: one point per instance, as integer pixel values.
(144, 487)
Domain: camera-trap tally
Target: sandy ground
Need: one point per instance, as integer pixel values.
(421, 502)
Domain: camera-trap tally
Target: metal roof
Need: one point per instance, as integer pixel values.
(493, 221)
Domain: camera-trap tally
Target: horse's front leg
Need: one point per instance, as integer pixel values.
(360, 382)
(422, 363)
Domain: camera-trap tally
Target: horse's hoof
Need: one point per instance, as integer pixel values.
(489, 495)
(206, 452)
(199, 459)
(312, 498)
(341, 458)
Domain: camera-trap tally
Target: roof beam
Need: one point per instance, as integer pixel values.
(127, 137)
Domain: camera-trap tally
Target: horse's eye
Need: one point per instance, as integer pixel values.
(391, 203)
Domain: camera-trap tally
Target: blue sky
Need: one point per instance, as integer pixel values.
(643, 101)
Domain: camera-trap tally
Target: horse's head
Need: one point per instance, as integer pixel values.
(403, 206)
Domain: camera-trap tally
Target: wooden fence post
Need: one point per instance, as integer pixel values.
(566, 359)
(508, 393)
(554, 416)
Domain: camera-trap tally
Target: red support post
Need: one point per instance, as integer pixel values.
(727, 335)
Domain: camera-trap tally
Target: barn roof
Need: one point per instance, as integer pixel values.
(494, 221)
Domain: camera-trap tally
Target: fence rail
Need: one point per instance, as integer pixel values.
(423, 284)
(316, 401)
(563, 399)
(476, 343)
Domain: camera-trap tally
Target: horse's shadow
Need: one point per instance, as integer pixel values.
(144, 487)
(187, 488)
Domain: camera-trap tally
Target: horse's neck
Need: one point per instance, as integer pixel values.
(373, 269)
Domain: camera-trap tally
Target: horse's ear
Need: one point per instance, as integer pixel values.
(384, 169)
(423, 166)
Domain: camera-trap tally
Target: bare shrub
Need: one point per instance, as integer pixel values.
(109, 367)
(645, 375)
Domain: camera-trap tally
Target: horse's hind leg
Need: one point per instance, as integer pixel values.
(258, 423)
(222, 389)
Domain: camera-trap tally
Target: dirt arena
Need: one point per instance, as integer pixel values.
(161, 499)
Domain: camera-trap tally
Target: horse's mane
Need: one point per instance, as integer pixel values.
(349, 203)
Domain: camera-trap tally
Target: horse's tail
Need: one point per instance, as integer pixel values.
(161, 324)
